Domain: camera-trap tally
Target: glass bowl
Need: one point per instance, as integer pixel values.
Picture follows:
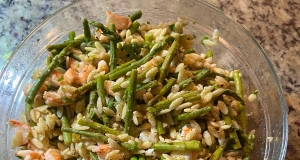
(236, 50)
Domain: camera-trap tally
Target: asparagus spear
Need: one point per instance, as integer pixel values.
(92, 104)
(66, 124)
(93, 156)
(240, 92)
(86, 30)
(192, 115)
(218, 152)
(71, 35)
(159, 126)
(101, 137)
(101, 95)
(130, 100)
(163, 91)
(183, 84)
(234, 139)
(96, 136)
(107, 32)
(28, 108)
(99, 127)
(135, 16)
(41, 79)
(177, 146)
(61, 46)
(151, 84)
(168, 59)
(112, 51)
(134, 27)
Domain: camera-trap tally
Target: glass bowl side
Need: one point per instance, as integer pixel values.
(236, 50)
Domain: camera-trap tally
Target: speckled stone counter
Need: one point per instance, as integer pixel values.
(275, 24)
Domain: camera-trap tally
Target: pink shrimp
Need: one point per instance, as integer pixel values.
(53, 154)
(70, 76)
(102, 150)
(22, 128)
(55, 76)
(120, 22)
(29, 154)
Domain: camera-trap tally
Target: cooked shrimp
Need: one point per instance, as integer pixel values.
(120, 22)
(107, 87)
(70, 76)
(52, 98)
(30, 155)
(79, 72)
(23, 130)
(56, 78)
(53, 154)
(102, 150)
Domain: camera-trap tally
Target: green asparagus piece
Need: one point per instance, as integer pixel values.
(209, 54)
(97, 126)
(189, 51)
(86, 30)
(218, 152)
(149, 37)
(240, 92)
(159, 126)
(204, 73)
(59, 47)
(130, 100)
(101, 95)
(234, 95)
(112, 51)
(141, 157)
(129, 146)
(151, 84)
(41, 79)
(71, 35)
(75, 56)
(162, 92)
(134, 27)
(101, 137)
(92, 104)
(28, 108)
(192, 115)
(135, 16)
(107, 32)
(249, 144)
(183, 84)
(93, 156)
(117, 73)
(129, 48)
(96, 136)
(111, 104)
(66, 124)
(134, 157)
(177, 146)
(233, 137)
(167, 61)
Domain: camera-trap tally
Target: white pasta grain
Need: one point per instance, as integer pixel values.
(176, 103)
(207, 138)
(37, 143)
(125, 84)
(109, 112)
(184, 105)
(223, 108)
(164, 111)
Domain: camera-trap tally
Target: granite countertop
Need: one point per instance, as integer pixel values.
(275, 24)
